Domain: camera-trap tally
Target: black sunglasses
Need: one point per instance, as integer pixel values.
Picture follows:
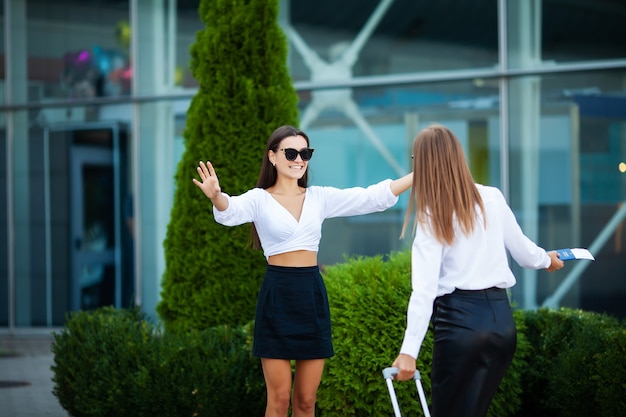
(291, 154)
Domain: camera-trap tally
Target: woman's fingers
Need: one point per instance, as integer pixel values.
(205, 170)
(211, 170)
(201, 173)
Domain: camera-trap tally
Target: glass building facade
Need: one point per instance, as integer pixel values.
(94, 98)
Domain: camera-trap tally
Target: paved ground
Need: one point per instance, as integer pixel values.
(25, 377)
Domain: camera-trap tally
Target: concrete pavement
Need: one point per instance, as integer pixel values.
(25, 377)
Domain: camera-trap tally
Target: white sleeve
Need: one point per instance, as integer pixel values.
(525, 252)
(358, 200)
(241, 209)
(426, 254)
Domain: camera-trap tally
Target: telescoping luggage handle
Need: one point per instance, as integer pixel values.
(388, 374)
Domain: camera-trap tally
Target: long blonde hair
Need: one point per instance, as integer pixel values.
(443, 189)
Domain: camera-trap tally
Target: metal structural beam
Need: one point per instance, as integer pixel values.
(340, 69)
(572, 278)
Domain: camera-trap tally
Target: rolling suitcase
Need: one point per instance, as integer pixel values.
(388, 374)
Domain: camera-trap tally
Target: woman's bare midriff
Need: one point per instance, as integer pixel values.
(298, 258)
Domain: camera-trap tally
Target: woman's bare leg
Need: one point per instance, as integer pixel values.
(277, 374)
(307, 381)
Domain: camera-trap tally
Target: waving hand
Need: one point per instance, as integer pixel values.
(209, 184)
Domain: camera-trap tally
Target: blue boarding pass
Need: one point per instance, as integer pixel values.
(574, 253)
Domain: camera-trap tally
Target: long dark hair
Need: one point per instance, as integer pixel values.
(268, 175)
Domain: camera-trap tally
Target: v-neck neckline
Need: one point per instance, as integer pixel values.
(297, 220)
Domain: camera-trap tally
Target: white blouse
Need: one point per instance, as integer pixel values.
(473, 262)
(280, 232)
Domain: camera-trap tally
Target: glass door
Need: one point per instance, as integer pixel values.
(95, 278)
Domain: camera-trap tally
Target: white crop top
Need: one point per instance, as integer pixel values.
(280, 232)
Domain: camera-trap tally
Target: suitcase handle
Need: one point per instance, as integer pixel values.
(389, 373)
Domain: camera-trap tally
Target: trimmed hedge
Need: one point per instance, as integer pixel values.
(93, 357)
(115, 363)
(577, 367)
(368, 299)
(611, 375)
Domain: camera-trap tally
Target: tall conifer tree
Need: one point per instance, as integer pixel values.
(245, 91)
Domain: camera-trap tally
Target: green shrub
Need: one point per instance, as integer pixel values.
(537, 374)
(573, 386)
(368, 299)
(245, 92)
(611, 363)
(95, 357)
(208, 373)
(113, 362)
(564, 376)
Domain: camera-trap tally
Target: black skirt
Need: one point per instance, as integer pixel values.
(475, 340)
(292, 315)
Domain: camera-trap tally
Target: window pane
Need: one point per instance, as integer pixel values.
(77, 49)
(408, 36)
(187, 24)
(577, 30)
(366, 135)
(568, 182)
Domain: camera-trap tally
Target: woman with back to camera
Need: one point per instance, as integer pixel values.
(292, 320)
(459, 276)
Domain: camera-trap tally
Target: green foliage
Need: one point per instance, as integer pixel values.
(93, 357)
(368, 299)
(245, 91)
(113, 362)
(567, 374)
(202, 373)
(611, 375)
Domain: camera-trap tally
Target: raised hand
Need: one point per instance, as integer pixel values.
(209, 183)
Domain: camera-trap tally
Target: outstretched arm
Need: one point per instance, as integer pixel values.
(210, 185)
(402, 184)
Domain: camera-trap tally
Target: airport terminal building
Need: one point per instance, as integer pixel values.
(94, 95)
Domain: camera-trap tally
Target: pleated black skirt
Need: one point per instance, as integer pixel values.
(475, 340)
(292, 318)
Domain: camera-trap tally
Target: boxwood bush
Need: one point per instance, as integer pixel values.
(208, 373)
(611, 375)
(577, 364)
(94, 356)
(116, 363)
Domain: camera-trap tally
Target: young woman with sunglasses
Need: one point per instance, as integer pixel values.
(460, 274)
(292, 320)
